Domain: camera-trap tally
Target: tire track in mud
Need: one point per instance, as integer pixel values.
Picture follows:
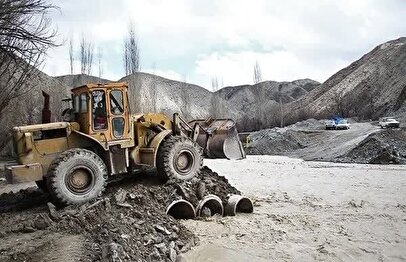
(66, 249)
(37, 246)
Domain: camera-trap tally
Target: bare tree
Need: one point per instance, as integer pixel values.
(153, 91)
(261, 117)
(215, 84)
(137, 94)
(216, 109)
(257, 73)
(25, 36)
(83, 56)
(340, 105)
(281, 111)
(71, 54)
(131, 57)
(99, 58)
(89, 59)
(86, 55)
(185, 96)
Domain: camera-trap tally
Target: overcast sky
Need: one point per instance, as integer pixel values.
(201, 39)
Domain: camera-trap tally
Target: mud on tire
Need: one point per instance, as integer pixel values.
(179, 158)
(76, 176)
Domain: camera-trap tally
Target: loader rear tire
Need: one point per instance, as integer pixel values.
(179, 158)
(76, 176)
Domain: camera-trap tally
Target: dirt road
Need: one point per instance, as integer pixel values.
(327, 145)
(309, 140)
(308, 211)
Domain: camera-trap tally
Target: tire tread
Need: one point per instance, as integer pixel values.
(164, 152)
(55, 193)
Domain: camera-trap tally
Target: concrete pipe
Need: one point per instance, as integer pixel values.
(209, 206)
(181, 209)
(238, 204)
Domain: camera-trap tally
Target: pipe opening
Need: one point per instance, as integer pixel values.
(181, 209)
(238, 204)
(209, 206)
(245, 206)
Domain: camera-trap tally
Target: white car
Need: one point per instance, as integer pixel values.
(342, 124)
(330, 124)
(389, 122)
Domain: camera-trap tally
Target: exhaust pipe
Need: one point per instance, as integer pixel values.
(238, 204)
(209, 206)
(181, 209)
(46, 113)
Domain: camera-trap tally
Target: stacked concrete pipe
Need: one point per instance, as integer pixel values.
(181, 209)
(238, 204)
(212, 203)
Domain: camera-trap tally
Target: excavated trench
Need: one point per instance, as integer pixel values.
(135, 219)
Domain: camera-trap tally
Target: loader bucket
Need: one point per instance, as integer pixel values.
(219, 138)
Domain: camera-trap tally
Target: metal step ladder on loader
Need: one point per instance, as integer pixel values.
(72, 160)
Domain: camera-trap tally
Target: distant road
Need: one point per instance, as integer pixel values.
(327, 145)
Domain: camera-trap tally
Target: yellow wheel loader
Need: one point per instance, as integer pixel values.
(72, 160)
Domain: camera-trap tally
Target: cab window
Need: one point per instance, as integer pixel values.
(118, 127)
(116, 102)
(75, 100)
(99, 110)
(83, 103)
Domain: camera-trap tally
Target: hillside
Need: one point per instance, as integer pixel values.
(373, 86)
(259, 104)
(80, 79)
(151, 93)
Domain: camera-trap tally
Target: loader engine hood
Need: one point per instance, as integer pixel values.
(24, 136)
(44, 127)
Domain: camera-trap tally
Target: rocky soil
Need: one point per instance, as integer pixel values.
(383, 147)
(280, 141)
(128, 223)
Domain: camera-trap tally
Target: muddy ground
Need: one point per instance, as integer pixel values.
(304, 211)
(128, 223)
(307, 211)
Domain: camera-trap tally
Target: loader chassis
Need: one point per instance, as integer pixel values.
(72, 159)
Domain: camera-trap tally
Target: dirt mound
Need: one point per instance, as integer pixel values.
(385, 147)
(309, 124)
(273, 142)
(128, 223)
(277, 141)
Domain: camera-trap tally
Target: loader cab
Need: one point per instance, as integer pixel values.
(102, 111)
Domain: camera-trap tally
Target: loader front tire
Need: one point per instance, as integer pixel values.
(76, 176)
(179, 158)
